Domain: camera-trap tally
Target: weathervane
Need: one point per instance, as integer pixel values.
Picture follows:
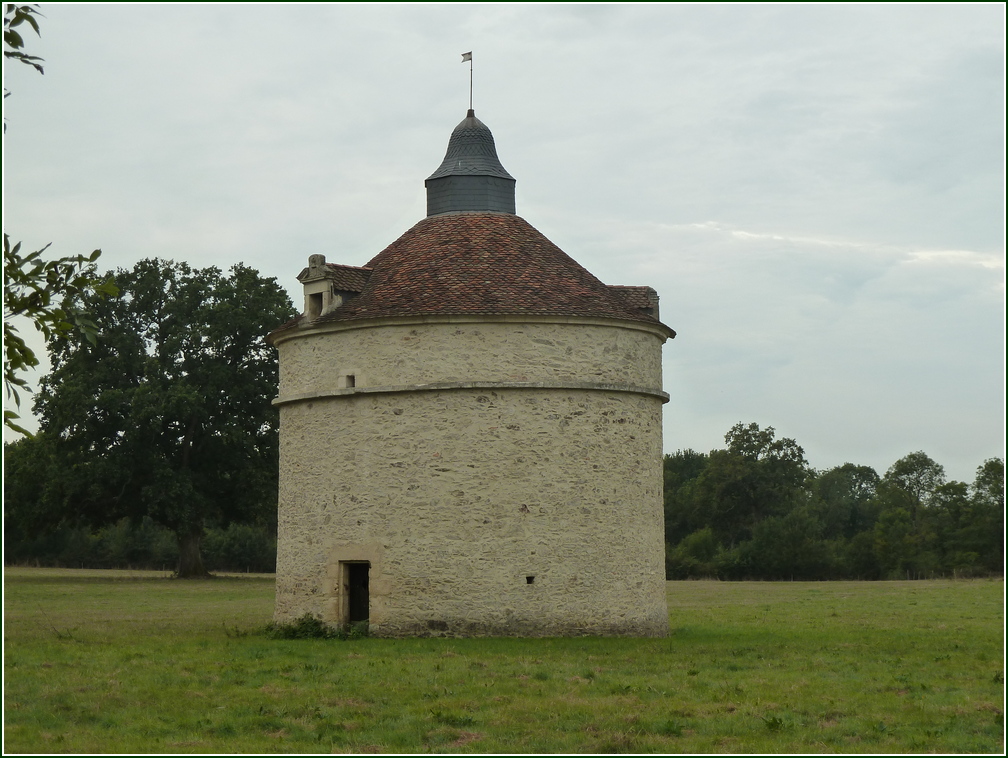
(468, 57)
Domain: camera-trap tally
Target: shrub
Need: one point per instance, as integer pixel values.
(310, 628)
(695, 557)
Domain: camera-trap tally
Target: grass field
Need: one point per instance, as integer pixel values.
(124, 662)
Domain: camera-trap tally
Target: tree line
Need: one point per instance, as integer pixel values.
(158, 444)
(125, 544)
(756, 510)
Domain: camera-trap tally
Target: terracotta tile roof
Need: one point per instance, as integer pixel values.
(481, 263)
(644, 298)
(348, 278)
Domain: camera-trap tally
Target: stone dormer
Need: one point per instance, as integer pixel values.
(327, 286)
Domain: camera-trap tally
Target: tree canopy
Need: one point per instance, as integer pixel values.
(167, 414)
(756, 476)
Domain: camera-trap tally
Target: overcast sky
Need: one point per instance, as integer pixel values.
(816, 192)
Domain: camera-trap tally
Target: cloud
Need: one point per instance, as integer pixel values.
(816, 191)
(861, 351)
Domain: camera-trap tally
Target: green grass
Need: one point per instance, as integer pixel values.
(104, 661)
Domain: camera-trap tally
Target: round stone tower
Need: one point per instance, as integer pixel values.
(470, 430)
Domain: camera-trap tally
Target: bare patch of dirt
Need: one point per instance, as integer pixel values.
(465, 738)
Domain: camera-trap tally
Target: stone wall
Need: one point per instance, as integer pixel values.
(481, 510)
(459, 351)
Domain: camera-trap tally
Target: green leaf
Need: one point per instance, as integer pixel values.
(27, 16)
(10, 423)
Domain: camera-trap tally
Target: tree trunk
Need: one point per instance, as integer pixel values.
(190, 564)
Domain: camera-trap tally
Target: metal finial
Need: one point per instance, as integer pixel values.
(468, 57)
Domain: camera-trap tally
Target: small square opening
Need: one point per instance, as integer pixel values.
(529, 579)
(351, 380)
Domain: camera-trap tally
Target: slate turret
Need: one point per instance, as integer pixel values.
(471, 177)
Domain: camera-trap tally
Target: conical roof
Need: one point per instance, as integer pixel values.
(471, 152)
(473, 256)
(481, 263)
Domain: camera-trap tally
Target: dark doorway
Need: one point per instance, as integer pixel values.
(357, 592)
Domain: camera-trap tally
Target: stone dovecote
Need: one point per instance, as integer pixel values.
(470, 430)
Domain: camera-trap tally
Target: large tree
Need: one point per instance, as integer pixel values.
(913, 480)
(845, 499)
(757, 476)
(168, 414)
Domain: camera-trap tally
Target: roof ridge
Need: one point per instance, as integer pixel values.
(347, 265)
